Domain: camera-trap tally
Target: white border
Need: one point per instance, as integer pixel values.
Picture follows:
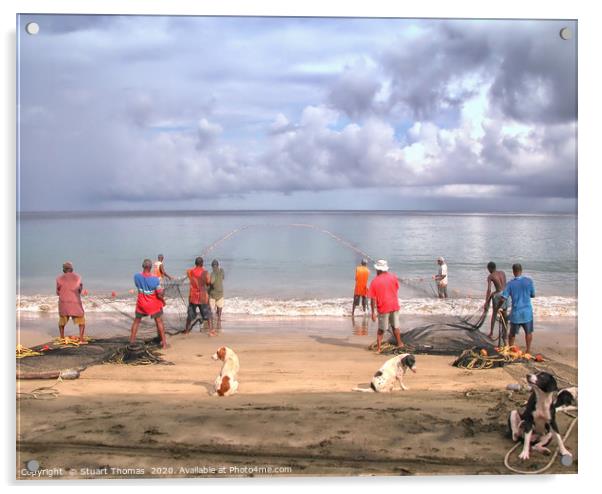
(589, 206)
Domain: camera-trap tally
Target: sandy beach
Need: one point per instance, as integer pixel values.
(295, 413)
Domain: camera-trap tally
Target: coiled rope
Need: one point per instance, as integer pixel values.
(554, 455)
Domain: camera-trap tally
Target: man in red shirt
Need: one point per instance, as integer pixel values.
(198, 297)
(69, 288)
(383, 295)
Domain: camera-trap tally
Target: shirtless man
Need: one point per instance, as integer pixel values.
(498, 279)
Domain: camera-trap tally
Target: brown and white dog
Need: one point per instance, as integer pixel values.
(226, 383)
(391, 372)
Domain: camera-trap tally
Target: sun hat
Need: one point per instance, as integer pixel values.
(440, 259)
(381, 265)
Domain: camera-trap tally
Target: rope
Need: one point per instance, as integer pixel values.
(23, 352)
(471, 360)
(68, 341)
(387, 348)
(503, 323)
(427, 286)
(407, 281)
(42, 393)
(554, 455)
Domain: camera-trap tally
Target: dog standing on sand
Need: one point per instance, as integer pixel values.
(226, 383)
(392, 371)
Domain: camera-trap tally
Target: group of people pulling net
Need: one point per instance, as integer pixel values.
(453, 335)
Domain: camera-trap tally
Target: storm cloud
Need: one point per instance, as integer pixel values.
(159, 112)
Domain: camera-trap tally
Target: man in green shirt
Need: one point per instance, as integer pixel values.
(216, 290)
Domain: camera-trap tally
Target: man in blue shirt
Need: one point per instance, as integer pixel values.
(521, 291)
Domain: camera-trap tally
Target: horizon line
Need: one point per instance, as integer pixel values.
(414, 211)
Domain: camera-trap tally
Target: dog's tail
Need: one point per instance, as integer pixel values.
(363, 390)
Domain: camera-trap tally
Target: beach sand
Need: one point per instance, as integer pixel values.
(295, 410)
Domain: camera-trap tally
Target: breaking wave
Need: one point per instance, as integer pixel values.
(334, 307)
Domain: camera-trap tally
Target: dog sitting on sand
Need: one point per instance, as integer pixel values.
(536, 424)
(391, 371)
(226, 383)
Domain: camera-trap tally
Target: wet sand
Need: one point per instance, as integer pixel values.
(295, 410)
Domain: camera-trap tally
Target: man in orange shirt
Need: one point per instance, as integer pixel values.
(362, 273)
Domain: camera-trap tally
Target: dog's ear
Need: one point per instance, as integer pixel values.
(409, 361)
(221, 352)
(547, 382)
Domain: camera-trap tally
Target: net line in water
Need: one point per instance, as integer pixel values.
(419, 284)
(177, 297)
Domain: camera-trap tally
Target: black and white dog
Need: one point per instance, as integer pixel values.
(390, 373)
(537, 422)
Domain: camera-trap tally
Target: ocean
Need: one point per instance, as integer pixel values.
(285, 263)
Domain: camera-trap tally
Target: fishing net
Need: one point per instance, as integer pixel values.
(67, 357)
(174, 312)
(459, 333)
(52, 359)
(176, 301)
(437, 339)
(446, 337)
(55, 359)
(138, 354)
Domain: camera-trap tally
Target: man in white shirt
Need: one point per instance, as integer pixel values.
(441, 278)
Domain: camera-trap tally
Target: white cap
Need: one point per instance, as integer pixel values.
(440, 259)
(381, 265)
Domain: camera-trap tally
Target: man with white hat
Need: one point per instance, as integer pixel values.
(383, 294)
(441, 278)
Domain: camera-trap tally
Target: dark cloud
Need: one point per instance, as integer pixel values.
(531, 70)
(427, 71)
(146, 110)
(354, 92)
(536, 80)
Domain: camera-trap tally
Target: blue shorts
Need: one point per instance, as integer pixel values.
(515, 327)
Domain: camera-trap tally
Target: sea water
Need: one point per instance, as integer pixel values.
(300, 263)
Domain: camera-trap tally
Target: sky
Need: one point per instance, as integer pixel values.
(165, 113)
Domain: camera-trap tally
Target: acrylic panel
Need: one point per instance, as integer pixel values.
(295, 246)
